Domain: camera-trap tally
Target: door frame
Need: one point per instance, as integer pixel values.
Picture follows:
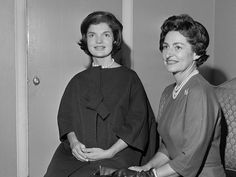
(21, 56)
(21, 88)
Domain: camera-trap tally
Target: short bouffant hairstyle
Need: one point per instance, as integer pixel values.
(102, 17)
(194, 31)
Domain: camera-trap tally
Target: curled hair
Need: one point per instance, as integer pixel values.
(194, 31)
(102, 17)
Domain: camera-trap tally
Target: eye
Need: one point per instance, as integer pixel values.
(164, 46)
(107, 35)
(177, 47)
(90, 35)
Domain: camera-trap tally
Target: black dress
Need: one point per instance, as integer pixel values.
(101, 106)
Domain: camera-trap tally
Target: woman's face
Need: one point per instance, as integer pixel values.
(177, 52)
(100, 40)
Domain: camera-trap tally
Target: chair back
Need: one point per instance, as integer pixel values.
(226, 94)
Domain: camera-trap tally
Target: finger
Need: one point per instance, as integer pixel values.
(91, 159)
(90, 156)
(132, 168)
(79, 157)
(88, 150)
(79, 153)
(135, 168)
(94, 156)
(82, 146)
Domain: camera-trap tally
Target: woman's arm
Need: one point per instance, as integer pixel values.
(76, 147)
(165, 171)
(72, 138)
(158, 160)
(117, 147)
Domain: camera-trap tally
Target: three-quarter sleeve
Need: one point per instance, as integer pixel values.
(135, 128)
(199, 123)
(67, 110)
(162, 147)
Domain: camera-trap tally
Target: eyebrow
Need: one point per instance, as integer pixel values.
(181, 43)
(95, 32)
(175, 43)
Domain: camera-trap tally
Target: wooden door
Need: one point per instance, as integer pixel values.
(53, 58)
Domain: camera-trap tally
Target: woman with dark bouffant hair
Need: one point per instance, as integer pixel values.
(189, 117)
(102, 17)
(104, 118)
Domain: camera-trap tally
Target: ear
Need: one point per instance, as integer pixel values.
(195, 56)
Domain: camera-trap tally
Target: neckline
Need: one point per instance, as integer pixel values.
(106, 69)
(104, 66)
(177, 89)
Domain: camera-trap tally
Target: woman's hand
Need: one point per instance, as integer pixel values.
(94, 154)
(77, 149)
(139, 168)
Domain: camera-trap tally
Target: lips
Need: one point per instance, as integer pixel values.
(170, 62)
(99, 48)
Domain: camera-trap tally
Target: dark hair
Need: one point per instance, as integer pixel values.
(102, 17)
(194, 31)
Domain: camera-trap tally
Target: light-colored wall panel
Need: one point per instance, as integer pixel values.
(225, 40)
(7, 91)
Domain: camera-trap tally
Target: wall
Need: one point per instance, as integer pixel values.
(148, 17)
(8, 92)
(225, 40)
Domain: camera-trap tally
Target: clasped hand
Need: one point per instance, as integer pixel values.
(80, 152)
(130, 173)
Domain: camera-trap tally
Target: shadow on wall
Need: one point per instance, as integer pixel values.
(213, 75)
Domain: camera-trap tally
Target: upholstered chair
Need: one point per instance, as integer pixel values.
(226, 94)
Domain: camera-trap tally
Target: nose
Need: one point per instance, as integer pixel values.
(168, 52)
(99, 39)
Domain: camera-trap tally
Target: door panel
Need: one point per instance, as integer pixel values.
(53, 58)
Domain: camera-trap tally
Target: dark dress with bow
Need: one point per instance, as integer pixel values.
(101, 106)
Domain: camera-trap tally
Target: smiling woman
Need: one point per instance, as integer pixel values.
(189, 117)
(100, 41)
(104, 118)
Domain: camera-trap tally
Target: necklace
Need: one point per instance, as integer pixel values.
(177, 88)
(104, 66)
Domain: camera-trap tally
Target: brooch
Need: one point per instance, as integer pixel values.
(186, 92)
